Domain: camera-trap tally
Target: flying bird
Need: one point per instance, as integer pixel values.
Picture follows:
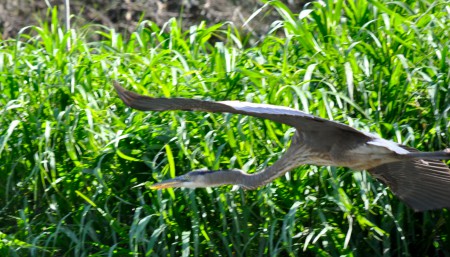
(420, 179)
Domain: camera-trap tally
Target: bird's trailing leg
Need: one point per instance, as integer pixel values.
(439, 155)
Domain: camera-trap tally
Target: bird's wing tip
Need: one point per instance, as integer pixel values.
(117, 86)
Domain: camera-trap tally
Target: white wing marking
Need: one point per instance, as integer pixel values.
(265, 108)
(389, 145)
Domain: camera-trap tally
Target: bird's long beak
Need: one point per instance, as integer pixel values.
(170, 183)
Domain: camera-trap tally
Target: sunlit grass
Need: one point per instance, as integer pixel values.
(74, 161)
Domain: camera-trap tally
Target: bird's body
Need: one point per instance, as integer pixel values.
(418, 178)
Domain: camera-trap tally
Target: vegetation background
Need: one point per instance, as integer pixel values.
(75, 162)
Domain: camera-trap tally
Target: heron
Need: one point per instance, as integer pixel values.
(420, 179)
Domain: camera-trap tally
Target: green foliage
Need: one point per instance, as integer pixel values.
(75, 162)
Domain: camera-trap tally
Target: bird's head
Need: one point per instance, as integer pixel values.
(195, 179)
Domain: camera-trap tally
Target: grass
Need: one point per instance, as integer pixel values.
(75, 162)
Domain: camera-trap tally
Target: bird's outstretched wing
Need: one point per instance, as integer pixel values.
(422, 184)
(281, 114)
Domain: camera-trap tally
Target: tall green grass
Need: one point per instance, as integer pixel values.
(75, 162)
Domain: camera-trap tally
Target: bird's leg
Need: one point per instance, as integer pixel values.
(439, 155)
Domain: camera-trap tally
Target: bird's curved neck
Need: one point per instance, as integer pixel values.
(290, 160)
(285, 164)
